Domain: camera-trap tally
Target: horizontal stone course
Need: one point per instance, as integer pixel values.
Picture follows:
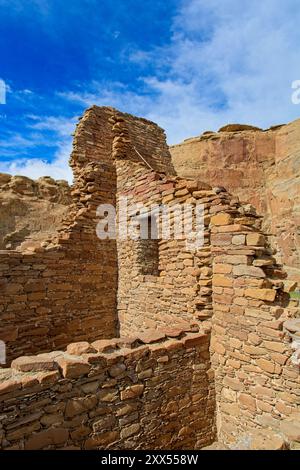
(197, 325)
(96, 408)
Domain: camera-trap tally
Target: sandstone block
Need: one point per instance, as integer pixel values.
(279, 358)
(261, 294)
(132, 392)
(266, 365)
(253, 350)
(232, 409)
(181, 192)
(217, 347)
(238, 240)
(275, 346)
(283, 408)
(82, 347)
(33, 364)
(221, 219)
(264, 406)
(243, 270)
(130, 430)
(254, 339)
(9, 386)
(222, 268)
(72, 367)
(222, 281)
(232, 259)
(125, 410)
(49, 437)
(263, 262)
(151, 336)
(233, 363)
(229, 394)
(77, 406)
(247, 401)
(255, 239)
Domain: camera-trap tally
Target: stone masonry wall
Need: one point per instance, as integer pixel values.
(65, 289)
(257, 383)
(260, 167)
(138, 393)
(159, 281)
(179, 292)
(156, 388)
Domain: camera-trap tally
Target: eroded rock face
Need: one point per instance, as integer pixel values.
(260, 167)
(30, 210)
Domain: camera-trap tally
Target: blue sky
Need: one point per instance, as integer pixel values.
(189, 65)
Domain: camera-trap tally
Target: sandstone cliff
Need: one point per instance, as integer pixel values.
(260, 167)
(30, 211)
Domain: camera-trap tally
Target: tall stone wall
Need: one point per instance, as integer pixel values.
(158, 279)
(178, 291)
(260, 167)
(142, 393)
(257, 381)
(63, 285)
(65, 288)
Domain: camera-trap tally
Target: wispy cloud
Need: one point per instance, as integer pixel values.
(45, 131)
(62, 126)
(226, 62)
(35, 167)
(221, 62)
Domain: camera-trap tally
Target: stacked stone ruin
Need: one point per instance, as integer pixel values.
(120, 344)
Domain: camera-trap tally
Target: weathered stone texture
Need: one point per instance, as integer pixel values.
(257, 383)
(90, 410)
(30, 211)
(261, 168)
(65, 288)
(178, 291)
(203, 330)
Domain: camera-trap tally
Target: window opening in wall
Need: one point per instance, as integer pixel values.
(148, 246)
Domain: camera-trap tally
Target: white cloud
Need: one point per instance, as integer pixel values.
(227, 61)
(248, 59)
(63, 126)
(15, 144)
(36, 167)
(106, 94)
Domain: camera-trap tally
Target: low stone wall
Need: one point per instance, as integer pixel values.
(51, 297)
(151, 392)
